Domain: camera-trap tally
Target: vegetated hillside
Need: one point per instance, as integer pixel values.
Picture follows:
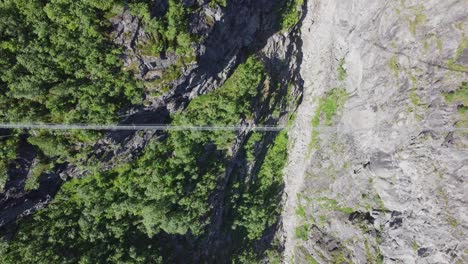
(147, 197)
(387, 183)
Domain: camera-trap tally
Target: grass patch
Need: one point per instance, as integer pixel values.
(460, 98)
(291, 13)
(415, 17)
(414, 98)
(419, 19)
(393, 66)
(341, 70)
(328, 106)
(373, 257)
(42, 166)
(339, 258)
(379, 202)
(311, 260)
(451, 64)
(300, 211)
(326, 203)
(327, 109)
(302, 232)
(452, 221)
(414, 245)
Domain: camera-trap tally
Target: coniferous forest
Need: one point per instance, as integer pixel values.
(185, 194)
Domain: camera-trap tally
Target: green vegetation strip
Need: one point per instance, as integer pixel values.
(8, 147)
(459, 97)
(328, 106)
(291, 13)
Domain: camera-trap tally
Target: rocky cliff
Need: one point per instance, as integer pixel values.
(378, 165)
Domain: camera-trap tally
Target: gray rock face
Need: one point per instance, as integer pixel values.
(129, 33)
(387, 182)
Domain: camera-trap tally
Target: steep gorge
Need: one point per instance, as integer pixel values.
(373, 95)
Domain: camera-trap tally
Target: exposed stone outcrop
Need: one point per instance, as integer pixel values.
(387, 182)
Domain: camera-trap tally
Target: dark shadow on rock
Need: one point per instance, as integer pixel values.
(244, 29)
(15, 201)
(19, 168)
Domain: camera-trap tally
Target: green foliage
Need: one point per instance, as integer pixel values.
(290, 13)
(311, 260)
(42, 165)
(115, 217)
(452, 221)
(393, 65)
(249, 146)
(460, 98)
(339, 257)
(341, 70)
(58, 65)
(452, 63)
(376, 255)
(72, 146)
(245, 257)
(167, 33)
(273, 256)
(51, 145)
(414, 98)
(228, 104)
(414, 245)
(141, 10)
(302, 232)
(259, 207)
(222, 3)
(88, 223)
(8, 148)
(331, 204)
(300, 211)
(328, 106)
(326, 110)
